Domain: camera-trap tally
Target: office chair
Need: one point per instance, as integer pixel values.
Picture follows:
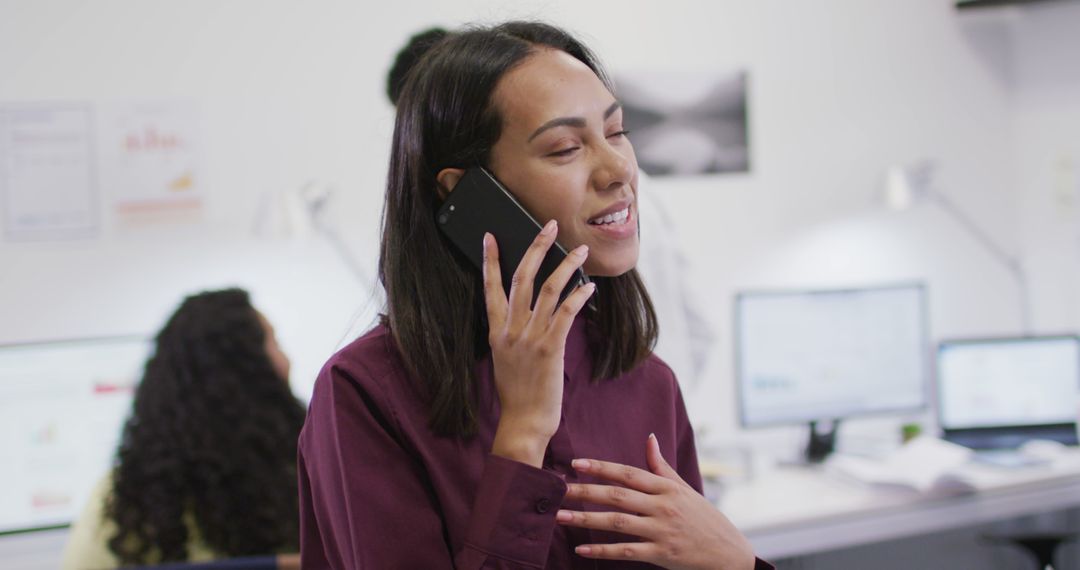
(1042, 547)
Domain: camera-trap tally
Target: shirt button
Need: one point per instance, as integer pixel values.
(543, 506)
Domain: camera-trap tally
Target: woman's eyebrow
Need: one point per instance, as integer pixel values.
(576, 122)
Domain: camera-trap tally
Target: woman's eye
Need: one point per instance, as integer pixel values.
(564, 152)
(621, 133)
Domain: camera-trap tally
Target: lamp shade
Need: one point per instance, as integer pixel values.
(898, 191)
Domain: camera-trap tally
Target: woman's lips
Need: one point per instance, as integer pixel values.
(617, 225)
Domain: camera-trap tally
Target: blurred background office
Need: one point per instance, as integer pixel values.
(154, 149)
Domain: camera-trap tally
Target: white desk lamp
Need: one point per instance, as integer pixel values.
(905, 185)
(294, 214)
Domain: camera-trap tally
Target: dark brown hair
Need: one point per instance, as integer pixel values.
(435, 302)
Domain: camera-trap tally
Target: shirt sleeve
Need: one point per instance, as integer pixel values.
(365, 502)
(686, 458)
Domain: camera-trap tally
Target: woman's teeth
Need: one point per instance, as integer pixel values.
(616, 218)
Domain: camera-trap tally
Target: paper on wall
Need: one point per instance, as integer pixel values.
(150, 162)
(47, 171)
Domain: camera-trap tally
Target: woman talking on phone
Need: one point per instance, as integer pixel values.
(475, 428)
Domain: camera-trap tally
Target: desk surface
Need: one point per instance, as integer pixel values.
(799, 511)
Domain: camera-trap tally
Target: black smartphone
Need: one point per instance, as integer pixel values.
(479, 204)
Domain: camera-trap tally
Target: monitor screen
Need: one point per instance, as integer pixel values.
(814, 355)
(62, 405)
(991, 383)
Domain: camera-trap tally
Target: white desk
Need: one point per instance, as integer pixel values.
(800, 511)
(794, 512)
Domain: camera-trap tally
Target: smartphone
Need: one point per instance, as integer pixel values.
(479, 204)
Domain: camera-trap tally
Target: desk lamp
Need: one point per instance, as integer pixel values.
(905, 185)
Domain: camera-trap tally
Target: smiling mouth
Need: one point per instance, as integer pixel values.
(614, 218)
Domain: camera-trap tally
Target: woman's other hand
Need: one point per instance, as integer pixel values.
(679, 528)
(528, 345)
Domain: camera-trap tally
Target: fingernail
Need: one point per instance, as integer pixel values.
(581, 463)
(581, 250)
(487, 239)
(583, 550)
(591, 286)
(564, 516)
(550, 227)
(652, 436)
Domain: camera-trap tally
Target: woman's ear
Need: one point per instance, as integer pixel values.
(448, 179)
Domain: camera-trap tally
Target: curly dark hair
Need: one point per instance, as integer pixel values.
(211, 438)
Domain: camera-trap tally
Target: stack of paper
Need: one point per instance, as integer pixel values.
(925, 464)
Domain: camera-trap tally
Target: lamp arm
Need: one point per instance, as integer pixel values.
(1011, 262)
(316, 196)
(342, 251)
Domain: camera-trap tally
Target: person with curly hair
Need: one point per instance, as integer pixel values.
(206, 466)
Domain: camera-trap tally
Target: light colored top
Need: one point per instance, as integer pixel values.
(87, 547)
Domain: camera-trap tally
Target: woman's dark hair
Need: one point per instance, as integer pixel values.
(211, 440)
(435, 304)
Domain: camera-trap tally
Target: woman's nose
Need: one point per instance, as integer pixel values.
(614, 168)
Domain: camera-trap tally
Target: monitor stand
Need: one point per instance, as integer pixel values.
(822, 441)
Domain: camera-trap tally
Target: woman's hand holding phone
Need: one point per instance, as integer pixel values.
(528, 345)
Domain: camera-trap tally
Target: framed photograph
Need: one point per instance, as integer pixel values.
(687, 123)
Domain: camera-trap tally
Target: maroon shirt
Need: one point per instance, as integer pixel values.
(380, 490)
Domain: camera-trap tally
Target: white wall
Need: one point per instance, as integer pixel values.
(837, 95)
(840, 90)
(1046, 142)
(292, 92)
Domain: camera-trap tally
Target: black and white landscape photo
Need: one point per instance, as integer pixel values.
(687, 123)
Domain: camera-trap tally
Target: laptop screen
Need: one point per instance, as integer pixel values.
(1008, 382)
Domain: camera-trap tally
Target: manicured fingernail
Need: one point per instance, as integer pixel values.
(652, 436)
(581, 250)
(581, 463)
(583, 550)
(591, 286)
(550, 227)
(487, 239)
(564, 516)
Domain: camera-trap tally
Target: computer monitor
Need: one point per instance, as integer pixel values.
(806, 356)
(62, 406)
(1000, 393)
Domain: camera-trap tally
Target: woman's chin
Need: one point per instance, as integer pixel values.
(610, 267)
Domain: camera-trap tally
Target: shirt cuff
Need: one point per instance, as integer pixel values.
(513, 517)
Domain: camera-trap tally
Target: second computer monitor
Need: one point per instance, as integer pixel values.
(1000, 393)
(815, 355)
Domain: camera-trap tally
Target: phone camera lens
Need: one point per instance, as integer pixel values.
(443, 218)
